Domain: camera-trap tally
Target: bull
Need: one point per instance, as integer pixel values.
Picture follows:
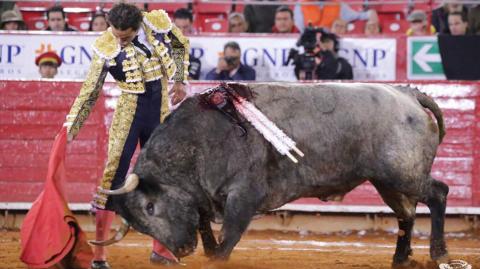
(196, 167)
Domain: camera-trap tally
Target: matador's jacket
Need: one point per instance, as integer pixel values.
(142, 71)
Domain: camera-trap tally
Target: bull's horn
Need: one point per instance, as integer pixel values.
(130, 184)
(119, 235)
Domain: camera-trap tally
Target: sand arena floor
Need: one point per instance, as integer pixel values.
(265, 250)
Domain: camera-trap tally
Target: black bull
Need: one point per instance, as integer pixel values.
(196, 167)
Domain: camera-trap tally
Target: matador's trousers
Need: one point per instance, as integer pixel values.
(134, 120)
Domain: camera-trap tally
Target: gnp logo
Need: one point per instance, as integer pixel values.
(8, 52)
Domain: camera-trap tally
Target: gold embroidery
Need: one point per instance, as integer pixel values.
(133, 76)
(129, 64)
(131, 87)
(167, 39)
(180, 54)
(118, 133)
(162, 51)
(152, 70)
(130, 51)
(89, 93)
(158, 21)
(164, 108)
(106, 46)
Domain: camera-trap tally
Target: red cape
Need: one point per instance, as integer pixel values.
(50, 233)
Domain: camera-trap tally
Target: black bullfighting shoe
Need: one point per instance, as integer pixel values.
(100, 265)
(158, 259)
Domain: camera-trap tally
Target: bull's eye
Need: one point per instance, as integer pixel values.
(150, 209)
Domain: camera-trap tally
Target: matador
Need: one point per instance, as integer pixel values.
(142, 51)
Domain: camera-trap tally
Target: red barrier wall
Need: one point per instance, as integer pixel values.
(32, 112)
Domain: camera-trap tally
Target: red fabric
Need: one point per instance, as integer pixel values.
(50, 233)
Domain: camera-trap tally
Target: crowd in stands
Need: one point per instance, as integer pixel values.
(337, 18)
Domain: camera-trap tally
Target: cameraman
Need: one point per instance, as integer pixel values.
(329, 64)
(229, 66)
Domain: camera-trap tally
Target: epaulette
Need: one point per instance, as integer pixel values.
(106, 46)
(158, 21)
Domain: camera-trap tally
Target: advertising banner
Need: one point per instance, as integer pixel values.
(371, 59)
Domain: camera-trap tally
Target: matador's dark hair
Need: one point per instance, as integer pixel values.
(123, 16)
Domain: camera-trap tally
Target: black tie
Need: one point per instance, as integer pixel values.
(141, 46)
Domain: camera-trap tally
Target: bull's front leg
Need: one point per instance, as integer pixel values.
(240, 207)
(208, 238)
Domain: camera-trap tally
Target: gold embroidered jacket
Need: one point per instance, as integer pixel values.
(131, 68)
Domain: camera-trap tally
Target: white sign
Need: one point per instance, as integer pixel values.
(371, 59)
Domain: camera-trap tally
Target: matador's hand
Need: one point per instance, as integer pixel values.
(178, 91)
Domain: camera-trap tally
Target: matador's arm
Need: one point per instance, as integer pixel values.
(180, 54)
(89, 93)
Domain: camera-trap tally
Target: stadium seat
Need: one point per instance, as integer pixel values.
(79, 17)
(34, 4)
(394, 27)
(168, 7)
(208, 14)
(81, 23)
(34, 17)
(392, 8)
(356, 27)
(214, 25)
(208, 7)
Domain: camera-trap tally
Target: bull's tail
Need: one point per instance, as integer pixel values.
(427, 102)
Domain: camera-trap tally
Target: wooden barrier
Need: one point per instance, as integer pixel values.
(32, 112)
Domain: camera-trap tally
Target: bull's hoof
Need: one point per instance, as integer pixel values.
(160, 260)
(409, 263)
(100, 265)
(210, 253)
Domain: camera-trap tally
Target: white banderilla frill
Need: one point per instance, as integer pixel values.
(268, 129)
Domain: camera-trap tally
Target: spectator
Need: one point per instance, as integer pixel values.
(237, 23)
(12, 20)
(339, 27)
(48, 64)
(458, 23)
(419, 24)
(330, 65)
(284, 21)
(229, 66)
(56, 20)
(183, 19)
(372, 27)
(99, 22)
(440, 16)
(474, 20)
(324, 14)
(7, 5)
(260, 18)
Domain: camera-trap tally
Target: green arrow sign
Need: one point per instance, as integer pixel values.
(424, 61)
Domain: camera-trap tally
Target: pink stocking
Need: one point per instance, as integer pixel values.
(103, 221)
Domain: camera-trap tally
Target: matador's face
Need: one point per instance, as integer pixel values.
(124, 37)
